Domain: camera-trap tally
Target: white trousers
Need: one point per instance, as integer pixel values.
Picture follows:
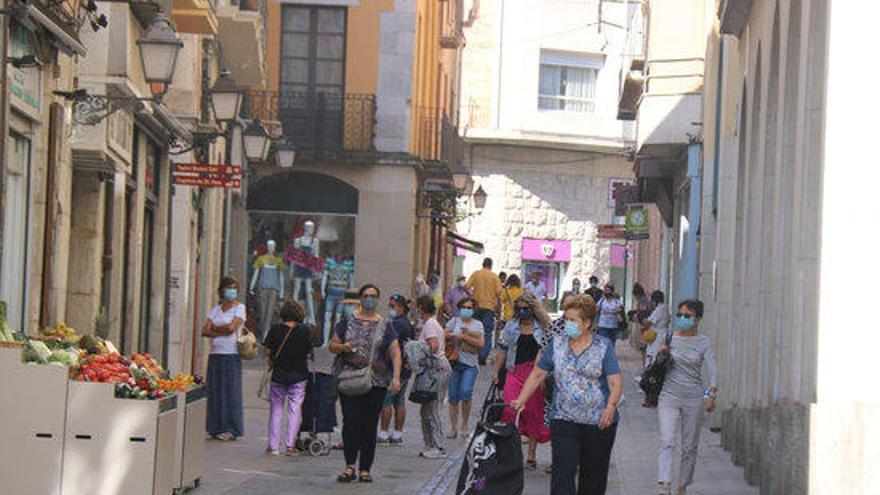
(679, 417)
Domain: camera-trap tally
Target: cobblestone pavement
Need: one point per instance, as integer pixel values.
(242, 468)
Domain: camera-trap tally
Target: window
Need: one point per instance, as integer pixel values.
(568, 82)
(313, 49)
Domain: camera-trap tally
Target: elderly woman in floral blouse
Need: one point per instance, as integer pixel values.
(583, 423)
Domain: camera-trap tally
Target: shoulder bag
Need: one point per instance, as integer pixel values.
(655, 374)
(266, 378)
(426, 384)
(358, 382)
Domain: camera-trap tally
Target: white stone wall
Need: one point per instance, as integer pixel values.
(394, 88)
(543, 194)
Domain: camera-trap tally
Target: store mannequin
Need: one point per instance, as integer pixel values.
(268, 281)
(338, 276)
(305, 267)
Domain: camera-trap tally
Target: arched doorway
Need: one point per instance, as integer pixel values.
(309, 217)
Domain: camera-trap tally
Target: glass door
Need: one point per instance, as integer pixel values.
(13, 269)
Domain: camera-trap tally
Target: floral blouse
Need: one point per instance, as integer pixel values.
(581, 392)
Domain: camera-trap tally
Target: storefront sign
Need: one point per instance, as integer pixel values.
(203, 168)
(620, 255)
(25, 84)
(611, 231)
(304, 259)
(209, 181)
(614, 185)
(546, 250)
(637, 225)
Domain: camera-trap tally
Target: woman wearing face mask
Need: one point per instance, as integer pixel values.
(518, 350)
(225, 411)
(395, 403)
(467, 335)
(610, 313)
(432, 335)
(588, 387)
(684, 397)
(365, 332)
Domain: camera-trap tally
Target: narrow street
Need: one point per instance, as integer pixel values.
(242, 467)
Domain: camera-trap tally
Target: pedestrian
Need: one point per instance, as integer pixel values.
(469, 338)
(575, 290)
(354, 344)
(288, 345)
(502, 277)
(556, 328)
(683, 397)
(455, 294)
(520, 345)
(641, 310)
(536, 286)
(436, 290)
(610, 313)
(486, 289)
(395, 402)
(584, 420)
(432, 424)
(512, 290)
(658, 323)
(594, 290)
(420, 287)
(225, 418)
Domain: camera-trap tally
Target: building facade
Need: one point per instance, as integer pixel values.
(539, 117)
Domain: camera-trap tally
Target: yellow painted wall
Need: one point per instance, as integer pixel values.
(362, 45)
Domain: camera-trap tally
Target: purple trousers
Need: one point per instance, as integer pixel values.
(295, 394)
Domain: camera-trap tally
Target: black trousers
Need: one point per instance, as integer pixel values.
(360, 420)
(580, 447)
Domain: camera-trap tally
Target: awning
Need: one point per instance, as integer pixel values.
(464, 243)
(63, 36)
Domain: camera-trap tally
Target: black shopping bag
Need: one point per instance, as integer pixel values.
(493, 462)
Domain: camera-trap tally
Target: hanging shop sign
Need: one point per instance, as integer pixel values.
(546, 250)
(25, 84)
(611, 231)
(303, 258)
(637, 225)
(614, 185)
(207, 175)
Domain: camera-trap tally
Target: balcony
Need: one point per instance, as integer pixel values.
(437, 138)
(322, 126)
(194, 16)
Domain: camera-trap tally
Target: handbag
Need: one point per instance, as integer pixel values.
(655, 374)
(426, 384)
(358, 382)
(248, 347)
(266, 378)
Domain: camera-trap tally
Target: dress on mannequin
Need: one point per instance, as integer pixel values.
(305, 267)
(268, 282)
(338, 276)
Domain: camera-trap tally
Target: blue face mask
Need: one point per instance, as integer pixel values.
(683, 323)
(572, 329)
(466, 313)
(348, 309)
(230, 294)
(392, 314)
(575, 288)
(369, 303)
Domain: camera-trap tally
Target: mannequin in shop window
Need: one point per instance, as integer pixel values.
(268, 283)
(305, 267)
(338, 276)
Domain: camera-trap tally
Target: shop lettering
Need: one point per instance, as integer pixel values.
(303, 259)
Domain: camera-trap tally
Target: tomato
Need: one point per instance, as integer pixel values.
(103, 376)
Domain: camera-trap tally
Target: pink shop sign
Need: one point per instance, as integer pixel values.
(546, 250)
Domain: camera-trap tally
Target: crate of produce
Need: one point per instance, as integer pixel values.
(32, 415)
(116, 445)
(194, 404)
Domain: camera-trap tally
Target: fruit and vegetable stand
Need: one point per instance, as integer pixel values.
(86, 420)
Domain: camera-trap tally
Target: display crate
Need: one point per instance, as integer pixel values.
(32, 414)
(191, 439)
(118, 446)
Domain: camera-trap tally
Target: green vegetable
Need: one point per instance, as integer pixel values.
(36, 352)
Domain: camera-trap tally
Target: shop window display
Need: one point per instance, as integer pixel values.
(309, 257)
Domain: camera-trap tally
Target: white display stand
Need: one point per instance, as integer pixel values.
(191, 437)
(118, 446)
(32, 410)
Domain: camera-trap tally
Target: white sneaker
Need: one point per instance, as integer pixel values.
(382, 437)
(433, 454)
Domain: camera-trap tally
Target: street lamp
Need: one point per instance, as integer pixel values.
(226, 98)
(459, 177)
(256, 142)
(286, 154)
(159, 47)
(480, 198)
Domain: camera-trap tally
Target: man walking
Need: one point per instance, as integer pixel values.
(486, 287)
(594, 291)
(453, 295)
(537, 287)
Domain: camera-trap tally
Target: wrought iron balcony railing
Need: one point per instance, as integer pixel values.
(437, 138)
(321, 125)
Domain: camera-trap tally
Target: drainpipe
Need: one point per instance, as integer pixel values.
(691, 248)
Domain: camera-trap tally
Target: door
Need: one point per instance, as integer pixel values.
(16, 201)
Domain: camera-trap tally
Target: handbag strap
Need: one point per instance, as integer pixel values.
(283, 343)
(380, 329)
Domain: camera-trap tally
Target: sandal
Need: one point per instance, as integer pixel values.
(452, 435)
(347, 475)
(532, 464)
(365, 477)
(292, 452)
(548, 469)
